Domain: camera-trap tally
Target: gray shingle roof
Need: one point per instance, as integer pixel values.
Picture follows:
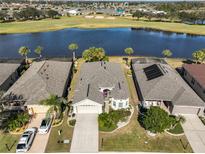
(100, 74)
(6, 69)
(169, 87)
(40, 80)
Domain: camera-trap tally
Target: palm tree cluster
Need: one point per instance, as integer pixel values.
(24, 51)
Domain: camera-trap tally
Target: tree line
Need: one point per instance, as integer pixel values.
(97, 54)
(29, 13)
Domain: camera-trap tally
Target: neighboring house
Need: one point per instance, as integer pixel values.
(101, 85)
(194, 74)
(40, 81)
(160, 85)
(8, 75)
(73, 12)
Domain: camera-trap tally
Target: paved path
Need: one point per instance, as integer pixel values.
(40, 141)
(85, 136)
(195, 133)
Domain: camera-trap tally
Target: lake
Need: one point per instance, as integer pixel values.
(113, 40)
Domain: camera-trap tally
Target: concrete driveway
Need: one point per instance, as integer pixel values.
(85, 136)
(195, 133)
(40, 141)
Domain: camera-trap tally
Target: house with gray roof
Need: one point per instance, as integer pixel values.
(41, 80)
(8, 75)
(158, 84)
(101, 85)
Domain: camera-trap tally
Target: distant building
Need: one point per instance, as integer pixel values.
(160, 85)
(100, 86)
(41, 80)
(8, 75)
(194, 74)
(74, 12)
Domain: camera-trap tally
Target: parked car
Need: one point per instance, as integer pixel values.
(26, 140)
(45, 125)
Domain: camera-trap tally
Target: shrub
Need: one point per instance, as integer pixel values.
(108, 121)
(156, 120)
(17, 121)
(177, 129)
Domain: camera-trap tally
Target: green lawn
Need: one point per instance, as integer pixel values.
(135, 139)
(81, 22)
(10, 140)
(67, 132)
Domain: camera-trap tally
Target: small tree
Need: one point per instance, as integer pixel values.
(94, 54)
(73, 47)
(23, 51)
(128, 51)
(199, 55)
(156, 120)
(166, 53)
(39, 50)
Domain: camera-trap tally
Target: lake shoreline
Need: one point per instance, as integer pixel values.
(119, 22)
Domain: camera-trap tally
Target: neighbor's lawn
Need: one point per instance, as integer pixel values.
(67, 133)
(81, 22)
(10, 140)
(134, 138)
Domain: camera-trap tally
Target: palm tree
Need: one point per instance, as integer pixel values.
(73, 47)
(128, 51)
(39, 50)
(23, 51)
(166, 53)
(55, 103)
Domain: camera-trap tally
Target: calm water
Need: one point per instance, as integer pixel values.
(113, 40)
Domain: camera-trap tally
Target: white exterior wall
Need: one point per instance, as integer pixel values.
(87, 106)
(39, 108)
(149, 103)
(116, 104)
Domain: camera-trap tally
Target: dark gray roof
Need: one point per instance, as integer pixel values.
(6, 69)
(168, 87)
(94, 75)
(40, 80)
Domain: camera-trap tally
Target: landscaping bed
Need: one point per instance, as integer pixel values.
(177, 129)
(109, 121)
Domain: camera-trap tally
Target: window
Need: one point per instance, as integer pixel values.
(114, 104)
(120, 104)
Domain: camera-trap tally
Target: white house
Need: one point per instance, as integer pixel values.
(101, 86)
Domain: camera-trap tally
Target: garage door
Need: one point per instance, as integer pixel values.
(186, 110)
(88, 109)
